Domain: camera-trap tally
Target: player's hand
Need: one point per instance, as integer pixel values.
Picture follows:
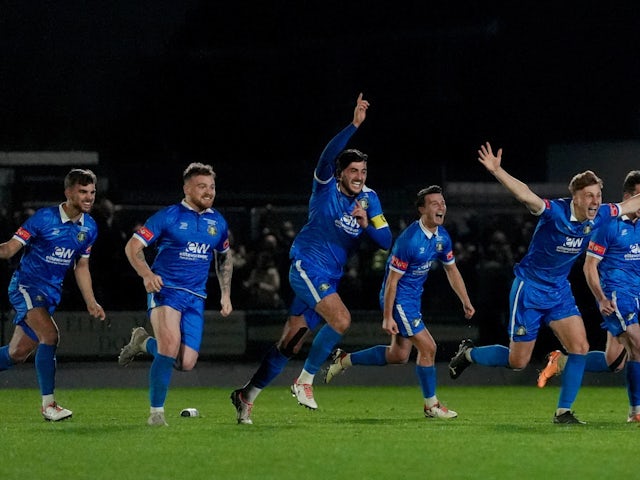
(96, 311)
(153, 283)
(227, 308)
(607, 307)
(360, 113)
(469, 311)
(490, 161)
(360, 214)
(390, 326)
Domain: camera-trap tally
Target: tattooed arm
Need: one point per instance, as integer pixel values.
(134, 251)
(224, 270)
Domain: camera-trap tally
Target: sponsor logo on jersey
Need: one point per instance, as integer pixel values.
(450, 255)
(226, 244)
(595, 248)
(23, 234)
(635, 249)
(145, 233)
(399, 264)
(184, 225)
(572, 242)
(196, 247)
(615, 211)
(62, 252)
(348, 224)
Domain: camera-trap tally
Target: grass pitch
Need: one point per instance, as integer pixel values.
(357, 433)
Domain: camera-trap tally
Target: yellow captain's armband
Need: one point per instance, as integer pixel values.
(379, 221)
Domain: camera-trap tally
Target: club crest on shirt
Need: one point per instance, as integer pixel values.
(364, 202)
(587, 229)
(439, 247)
(82, 236)
(212, 230)
(324, 287)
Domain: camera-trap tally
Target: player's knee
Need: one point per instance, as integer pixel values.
(394, 357)
(184, 365)
(517, 364)
(341, 324)
(20, 353)
(291, 345)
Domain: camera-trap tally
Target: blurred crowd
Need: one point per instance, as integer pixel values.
(486, 248)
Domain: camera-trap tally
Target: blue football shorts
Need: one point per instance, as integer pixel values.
(191, 308)
(310, 286)
(530, 306)
(626, 314)
(24, 298)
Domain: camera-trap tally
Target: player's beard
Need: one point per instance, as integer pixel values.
(203, 203)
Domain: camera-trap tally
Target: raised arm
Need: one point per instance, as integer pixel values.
(518, 189)
(630, 205)
(326, 164)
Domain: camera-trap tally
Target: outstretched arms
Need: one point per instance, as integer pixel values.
(518, 189)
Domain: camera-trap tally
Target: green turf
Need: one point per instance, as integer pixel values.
(358, 433)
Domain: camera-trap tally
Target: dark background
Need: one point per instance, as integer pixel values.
(257, 88)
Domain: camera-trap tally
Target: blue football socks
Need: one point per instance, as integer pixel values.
(272, 364)
(596, 362)
(571, 379)
(324, 342)
(427, 379)
(5, 360)
(45, 363)
(633, 383)
(491, 356)
(370, 356)
(159, 378)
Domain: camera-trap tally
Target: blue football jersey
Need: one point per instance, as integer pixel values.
(185, 241)
(52, 243)
(412, 255)
(618, 247)
(331, 234)
(558, 240)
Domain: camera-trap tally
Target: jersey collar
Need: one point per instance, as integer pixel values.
(426, 231)
(65, 218)
(188, 207)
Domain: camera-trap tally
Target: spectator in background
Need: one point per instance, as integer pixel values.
(107, 255)
(263, 284)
